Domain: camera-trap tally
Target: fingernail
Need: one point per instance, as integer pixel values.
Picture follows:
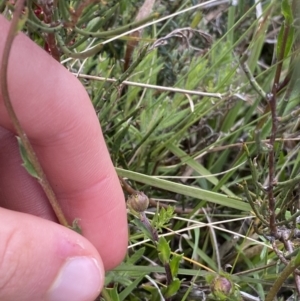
(79, 279)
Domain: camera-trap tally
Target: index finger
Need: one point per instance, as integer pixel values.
(59, 119)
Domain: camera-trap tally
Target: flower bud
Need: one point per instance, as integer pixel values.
(221, 287)
(138, 202)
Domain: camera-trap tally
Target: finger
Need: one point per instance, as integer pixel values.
(41, 260)
(60, 121)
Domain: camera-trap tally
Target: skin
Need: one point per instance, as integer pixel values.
(58, 117)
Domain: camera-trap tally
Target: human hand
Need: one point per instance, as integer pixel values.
(40, 259)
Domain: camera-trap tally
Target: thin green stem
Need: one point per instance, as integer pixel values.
(79, 55)
(34, 22)
(255, 85)
(117, 31)
(252, 204)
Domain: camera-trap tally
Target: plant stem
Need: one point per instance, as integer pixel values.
(13, 31)
(289, 269)
(148, 225)
(154, 235)
(48, 9)
(272, 98)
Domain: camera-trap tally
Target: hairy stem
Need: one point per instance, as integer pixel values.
(13, 31)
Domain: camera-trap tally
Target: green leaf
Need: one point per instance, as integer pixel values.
(280, 40)
(153, 291)
(210, 278)
(136, 256)
(197, 19)
(121, 278)
(173, 288)
(164, 250)
(129, 289)
(288, 43)
(199, 168)
(142, 227)
(286, 32)
(118, 139)
(174, 264)
(162, 217)
(26, 162)
(195, 192)
(286, 11)
(297, 259)
(112, 293)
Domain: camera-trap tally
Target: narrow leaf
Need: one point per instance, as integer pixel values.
(174, 264)
(195, 192)
(173, 288)
(164, 250)
(26, 162)
(287, 11)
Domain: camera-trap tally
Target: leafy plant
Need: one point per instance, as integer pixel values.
(199, 106)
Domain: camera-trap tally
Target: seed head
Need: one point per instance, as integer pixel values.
(138, 202)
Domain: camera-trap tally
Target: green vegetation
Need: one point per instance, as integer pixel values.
(199, 110)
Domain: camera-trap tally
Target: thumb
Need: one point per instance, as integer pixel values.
(41, 260)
